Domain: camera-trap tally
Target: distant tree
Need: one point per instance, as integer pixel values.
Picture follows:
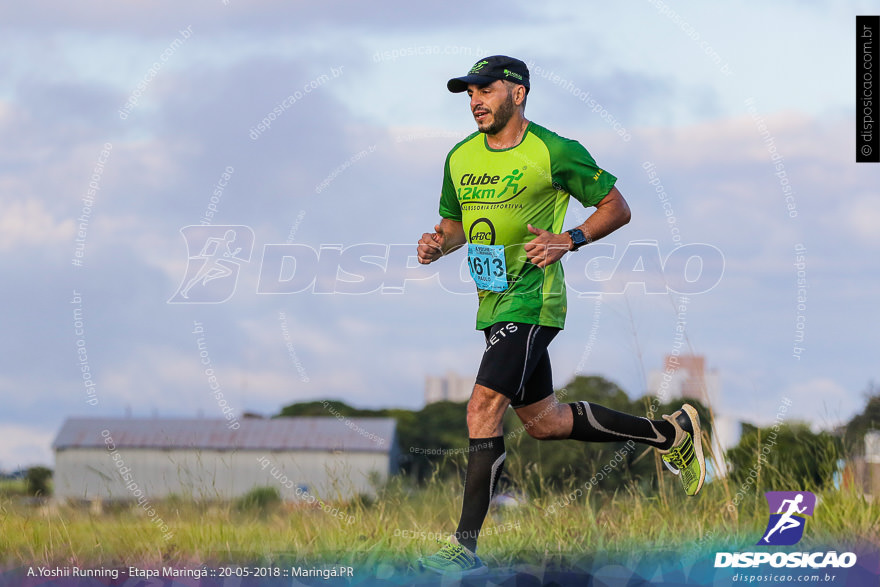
(435, 438)
(572, 463)
(259, 500)
(37, 479)
(425, 437)
(784, 457)
(328, 408)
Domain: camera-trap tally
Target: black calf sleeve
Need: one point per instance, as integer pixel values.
(485, 462)
(595, 423)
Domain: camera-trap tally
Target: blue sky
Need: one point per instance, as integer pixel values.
(378, 130)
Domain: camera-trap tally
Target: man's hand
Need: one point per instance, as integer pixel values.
(448, 236)
(547, 247)
(431, 245)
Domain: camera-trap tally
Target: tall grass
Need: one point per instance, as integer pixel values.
(395, 527)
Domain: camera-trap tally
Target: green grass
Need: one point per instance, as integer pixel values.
(382, 530)
(10, 487)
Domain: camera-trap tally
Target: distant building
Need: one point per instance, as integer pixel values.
(111, 458)
(864, 471)
(685, 377)
(872, 446)
(450, 388)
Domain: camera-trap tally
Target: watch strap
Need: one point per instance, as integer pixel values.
(577, 238)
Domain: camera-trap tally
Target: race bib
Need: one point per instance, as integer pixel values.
(488, 267)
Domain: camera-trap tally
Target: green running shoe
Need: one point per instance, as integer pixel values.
(453, 559)
(685, 458)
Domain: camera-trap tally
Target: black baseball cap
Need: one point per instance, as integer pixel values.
(487, 70)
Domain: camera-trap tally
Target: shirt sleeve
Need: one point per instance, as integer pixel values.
(450, 207)
(575, 171)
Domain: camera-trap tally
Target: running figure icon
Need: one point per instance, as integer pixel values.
(213, 254)
(787, 521)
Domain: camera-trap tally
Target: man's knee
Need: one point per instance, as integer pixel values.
(485, 408)
(476, 413)
(477, 406)
(547, 424)
(540, 432)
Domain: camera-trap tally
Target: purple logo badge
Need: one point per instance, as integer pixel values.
(787, 516)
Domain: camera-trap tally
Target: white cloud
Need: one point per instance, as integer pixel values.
(823, 402)
(28, 223)
(862, 213)
(25, 445)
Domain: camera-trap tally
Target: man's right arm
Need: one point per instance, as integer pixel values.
(448, 236)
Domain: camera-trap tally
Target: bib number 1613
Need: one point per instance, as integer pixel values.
(488, 267)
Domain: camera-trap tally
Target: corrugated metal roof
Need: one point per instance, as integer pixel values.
(351, 434)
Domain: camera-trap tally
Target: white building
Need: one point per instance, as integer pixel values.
(685, 377)
(863, 472)
(112, 458)
(872, 446)
(451, 387)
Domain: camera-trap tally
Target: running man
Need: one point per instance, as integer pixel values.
(514, 240)
(214, 266)
(787, 520)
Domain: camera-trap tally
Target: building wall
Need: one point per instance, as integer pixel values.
(872, 446)
(91, 473)
(450, 387)
(865, 471)
(863, 475)
(685, 377)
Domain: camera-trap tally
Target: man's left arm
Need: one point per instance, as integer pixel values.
(611, 213)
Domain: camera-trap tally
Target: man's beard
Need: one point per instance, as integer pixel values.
(501, 117)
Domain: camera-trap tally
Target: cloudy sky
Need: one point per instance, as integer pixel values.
(124, 123)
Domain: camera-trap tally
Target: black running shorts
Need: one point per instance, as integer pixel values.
(516, 363)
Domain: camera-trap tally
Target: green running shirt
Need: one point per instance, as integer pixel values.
(496, 193)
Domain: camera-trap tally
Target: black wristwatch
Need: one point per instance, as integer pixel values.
(577, 238)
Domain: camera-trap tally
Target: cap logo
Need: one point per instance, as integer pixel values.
(508, 73)
(478, 66)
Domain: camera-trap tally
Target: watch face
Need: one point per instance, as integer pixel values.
(577, 238)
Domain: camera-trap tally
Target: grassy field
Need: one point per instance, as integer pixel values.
(399, 526)
(13, 487)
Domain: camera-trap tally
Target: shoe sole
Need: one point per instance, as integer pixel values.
(469, 573)
(482, 570)
(698, 442)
